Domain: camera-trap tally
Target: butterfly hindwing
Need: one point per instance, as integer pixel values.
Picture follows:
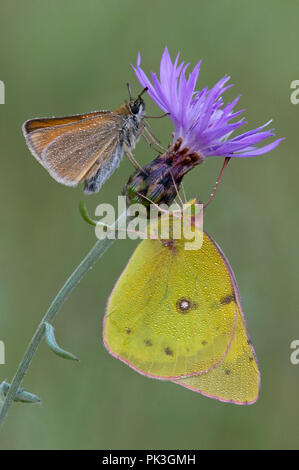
(237, 378)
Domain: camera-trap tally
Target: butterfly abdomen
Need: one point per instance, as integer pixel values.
(95, 182)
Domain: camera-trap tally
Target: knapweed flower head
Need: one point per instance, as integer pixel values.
(202, 122)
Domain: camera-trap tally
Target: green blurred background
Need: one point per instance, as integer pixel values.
(67, 57)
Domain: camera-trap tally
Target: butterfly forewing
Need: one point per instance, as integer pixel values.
(69, 147)
(172, 313)
(41, 123)
(70, 156)
(86, 147)
(42, 131)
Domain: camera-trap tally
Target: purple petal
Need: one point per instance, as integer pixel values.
(201, 118)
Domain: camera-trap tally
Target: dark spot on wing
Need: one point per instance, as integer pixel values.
(128, 331)
(227, 299)
(169, 244)
(168, 351)
(148, 342)
(204, 342)
(249, 341)
(227, 372)
(184, 305)
(250, 358)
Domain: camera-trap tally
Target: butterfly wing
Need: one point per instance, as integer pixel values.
(70, 147)
(40, 132)
(172, 313)
(237, 378)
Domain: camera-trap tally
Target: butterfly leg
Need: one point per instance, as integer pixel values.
(132, 159)
(149, 137)
(177, 191)
(157, 117)
(147, 129)
(184, 194)
(151, 144)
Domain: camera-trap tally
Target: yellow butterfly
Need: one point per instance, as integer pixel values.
(176, 314)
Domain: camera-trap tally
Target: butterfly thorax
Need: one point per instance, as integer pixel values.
(134, 111)
(128, 132)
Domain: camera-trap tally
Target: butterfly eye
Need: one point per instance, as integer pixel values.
(135, 109)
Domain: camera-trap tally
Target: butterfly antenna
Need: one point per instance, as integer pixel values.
(129, 90)
(142, 92)
(225, 163)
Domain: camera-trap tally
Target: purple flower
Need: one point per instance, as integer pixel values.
(201, 120)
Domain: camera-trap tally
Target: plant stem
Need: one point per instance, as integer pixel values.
(86, 264)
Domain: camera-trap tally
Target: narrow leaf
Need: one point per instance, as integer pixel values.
(21, 395)
(85, 215)
(51, 341)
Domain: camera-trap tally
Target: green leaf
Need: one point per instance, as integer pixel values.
(85, 215)
(51, 341)
(21, 395)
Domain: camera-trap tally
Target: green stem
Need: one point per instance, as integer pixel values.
(86, 264)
